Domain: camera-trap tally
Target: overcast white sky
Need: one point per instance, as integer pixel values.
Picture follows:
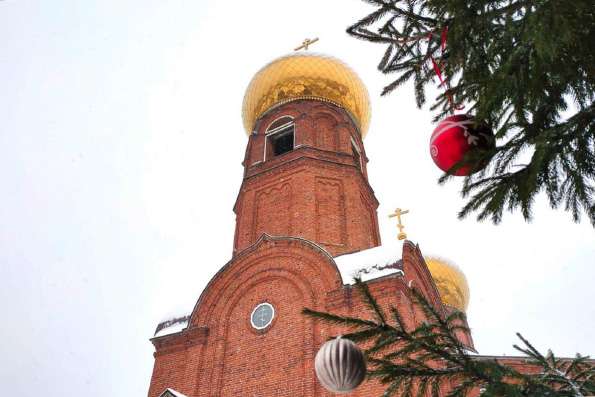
(113, 114)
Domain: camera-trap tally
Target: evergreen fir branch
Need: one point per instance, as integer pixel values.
(408, 387)
(530, 350)
(463, 388)
(386, 57)
(518, 73)
(399, 325)
(340, 320)
(408, 361)
(392, 389)
(369, 301)
(436, 388)
(364, 335)
(395, 84)
(422, 388)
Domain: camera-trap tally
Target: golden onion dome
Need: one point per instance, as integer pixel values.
(306, 75)
(451, 283)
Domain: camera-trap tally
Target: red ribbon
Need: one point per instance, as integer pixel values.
(443, 37)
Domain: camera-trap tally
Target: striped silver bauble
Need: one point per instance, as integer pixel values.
(340, 365)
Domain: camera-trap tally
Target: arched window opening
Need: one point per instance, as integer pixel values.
(280, 137)
(280, 122)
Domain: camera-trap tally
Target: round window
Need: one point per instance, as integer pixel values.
(262, 315)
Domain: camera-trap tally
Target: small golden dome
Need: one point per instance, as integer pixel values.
(450, 281)
(306, 75)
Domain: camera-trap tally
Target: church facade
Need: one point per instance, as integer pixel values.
(306, 224)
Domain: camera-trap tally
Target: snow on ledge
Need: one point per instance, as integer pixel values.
(173, 393)
(371, 263)
(368, 264)
(171, 326)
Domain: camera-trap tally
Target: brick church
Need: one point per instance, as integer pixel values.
(306, 224)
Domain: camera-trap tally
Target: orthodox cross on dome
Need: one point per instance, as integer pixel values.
(305, 44)
(398, 212)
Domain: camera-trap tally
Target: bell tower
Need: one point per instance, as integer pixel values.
(305, 164)
(305, 200)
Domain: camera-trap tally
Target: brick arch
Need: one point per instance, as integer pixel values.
(305, 114)
(326, 134)
(303, 273)
(225, 301)
(291, 109)
(255, 148)
(343, 128)
(228, 334)
(281, 119)
(327, 112)
(269, 202)
(339, 113)
(315, 261)
(301, 108)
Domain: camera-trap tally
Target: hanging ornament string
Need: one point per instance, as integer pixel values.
(437, 67)
(438, 71)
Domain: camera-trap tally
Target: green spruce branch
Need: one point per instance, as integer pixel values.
(525, 67)
(422, 360)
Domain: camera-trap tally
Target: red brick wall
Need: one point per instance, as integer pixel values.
(318, 191)
(178, 360)
(238, 360)
(220, 354)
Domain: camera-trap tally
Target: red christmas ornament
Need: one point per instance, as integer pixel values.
(454, 137)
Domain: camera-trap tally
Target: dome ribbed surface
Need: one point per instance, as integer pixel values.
(340, 365)
(451, 283)
(305, 75)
